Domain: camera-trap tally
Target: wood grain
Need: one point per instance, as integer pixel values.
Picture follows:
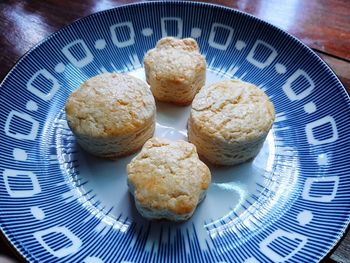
(25, 23)
(321, 24)
(324, 25)
(340, 67)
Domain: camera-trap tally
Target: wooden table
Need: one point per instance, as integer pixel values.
(323, 25)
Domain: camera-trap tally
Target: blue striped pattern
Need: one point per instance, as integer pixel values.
(268, 226)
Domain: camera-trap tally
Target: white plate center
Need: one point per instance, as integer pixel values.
(234, 196)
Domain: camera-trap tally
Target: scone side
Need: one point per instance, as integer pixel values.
(219, 154)
(113, 148)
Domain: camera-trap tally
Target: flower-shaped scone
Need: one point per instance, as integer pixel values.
(175, 70)
(111, 115)
(167, 179)
(229, 121)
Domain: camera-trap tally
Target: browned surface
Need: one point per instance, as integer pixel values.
(324, 25)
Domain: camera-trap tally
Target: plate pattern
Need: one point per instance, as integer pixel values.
(299, 209)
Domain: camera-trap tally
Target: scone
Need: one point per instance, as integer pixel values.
(167, 179)
(111, 115)
(229, 121)
(175, 70)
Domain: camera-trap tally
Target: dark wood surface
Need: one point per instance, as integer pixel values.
(323, 25)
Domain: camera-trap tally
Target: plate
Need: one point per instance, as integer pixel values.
(59, 204)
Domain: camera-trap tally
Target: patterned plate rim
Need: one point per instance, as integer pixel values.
(22, 250)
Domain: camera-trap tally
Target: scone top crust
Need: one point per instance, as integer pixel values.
(186, 44)
(110, 104)
(168, 175)
(176, 60)
(232, 111)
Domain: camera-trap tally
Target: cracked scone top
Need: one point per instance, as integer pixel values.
(175, 70)
(167, 179)
(111, 114)
(229, 121)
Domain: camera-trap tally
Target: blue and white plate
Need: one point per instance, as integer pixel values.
(59, 204)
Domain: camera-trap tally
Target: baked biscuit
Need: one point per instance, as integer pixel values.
(167, 179)
(175, 70)
(111, 115)
(229, 121)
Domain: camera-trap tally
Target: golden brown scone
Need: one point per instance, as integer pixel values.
(175, 70)
(167, 179)
(229, 121)
(111, 115)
